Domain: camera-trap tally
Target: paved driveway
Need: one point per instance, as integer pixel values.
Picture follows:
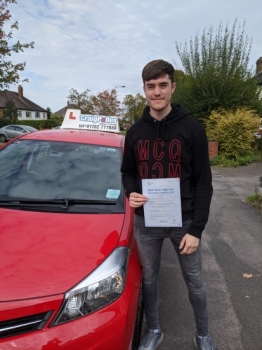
(232, 245)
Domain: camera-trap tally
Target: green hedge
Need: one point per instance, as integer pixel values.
(38, 124)
(4, 122)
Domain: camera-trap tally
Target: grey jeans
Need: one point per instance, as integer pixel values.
(150, 241)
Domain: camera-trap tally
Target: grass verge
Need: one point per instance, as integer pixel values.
(255, 200)
(246, 159)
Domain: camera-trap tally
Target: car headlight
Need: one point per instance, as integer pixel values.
(103, 286)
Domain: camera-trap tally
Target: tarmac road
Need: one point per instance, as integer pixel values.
(231, 245)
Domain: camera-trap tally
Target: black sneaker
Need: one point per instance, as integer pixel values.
(151, 340)
(203, 343)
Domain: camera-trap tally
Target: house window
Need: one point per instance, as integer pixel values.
(28, 114)
(37, 114)
(19, 114)
(44, 115)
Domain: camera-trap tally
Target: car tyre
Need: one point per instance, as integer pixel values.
(139, 322)
(2, 138)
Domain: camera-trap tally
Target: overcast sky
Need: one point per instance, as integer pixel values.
(103, 44)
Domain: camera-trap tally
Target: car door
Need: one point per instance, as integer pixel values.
(10, 132)
(19, 131)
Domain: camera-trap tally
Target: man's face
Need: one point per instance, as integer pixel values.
(159, 92)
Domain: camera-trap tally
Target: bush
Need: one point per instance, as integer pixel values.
(233, 131)
(4, 122)
(255, 200)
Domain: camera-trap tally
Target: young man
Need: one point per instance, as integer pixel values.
(167, 143)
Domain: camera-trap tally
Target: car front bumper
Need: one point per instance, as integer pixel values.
(110, 328)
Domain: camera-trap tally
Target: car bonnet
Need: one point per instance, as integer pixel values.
(44, 254)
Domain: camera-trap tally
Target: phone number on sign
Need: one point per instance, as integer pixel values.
(98, 127)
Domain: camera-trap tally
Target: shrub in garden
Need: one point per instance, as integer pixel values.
(233, 131)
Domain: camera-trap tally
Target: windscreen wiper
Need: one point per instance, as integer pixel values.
(65, 202)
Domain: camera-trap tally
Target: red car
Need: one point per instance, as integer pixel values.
(70, 272)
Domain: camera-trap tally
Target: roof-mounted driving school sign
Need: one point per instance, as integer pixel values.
(75, 120)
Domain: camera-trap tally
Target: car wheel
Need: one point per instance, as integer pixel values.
(2, 138)
(139, 322)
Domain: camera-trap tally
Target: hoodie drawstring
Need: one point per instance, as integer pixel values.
(163, 124)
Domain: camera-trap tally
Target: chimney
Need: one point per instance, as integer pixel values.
(259, 65)
(20, 92)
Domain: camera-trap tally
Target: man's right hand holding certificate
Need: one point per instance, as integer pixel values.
(136, 200)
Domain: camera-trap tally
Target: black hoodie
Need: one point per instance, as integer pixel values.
(176, 146)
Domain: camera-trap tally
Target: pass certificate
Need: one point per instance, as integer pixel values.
(163, 206)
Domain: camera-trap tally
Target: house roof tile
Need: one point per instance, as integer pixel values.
(20, 103)
(62, 111)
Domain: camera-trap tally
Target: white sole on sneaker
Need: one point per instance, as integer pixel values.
(160, 340)
(195, 344)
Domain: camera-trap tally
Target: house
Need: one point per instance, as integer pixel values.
(26, 109)
(62, 111)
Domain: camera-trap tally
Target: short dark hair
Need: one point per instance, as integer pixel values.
(156, 69)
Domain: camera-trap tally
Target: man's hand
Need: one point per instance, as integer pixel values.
(189, 244)
(136, 200)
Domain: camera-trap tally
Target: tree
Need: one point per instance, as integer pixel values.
(80, 101)
(216, 73)
(106, 103)
(49, 112)
(134, 107)
(179, 75)
(10, 110)
(9, 72)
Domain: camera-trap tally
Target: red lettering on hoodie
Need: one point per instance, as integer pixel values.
(143, 150)
(173, 170)
(143, 171)
(174, 155)
(158, 166)
(157, 153)
(157, 144)
(175, 151)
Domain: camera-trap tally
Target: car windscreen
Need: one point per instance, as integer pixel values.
(86, 175)
(29, 128)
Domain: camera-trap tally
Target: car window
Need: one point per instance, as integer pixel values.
(53, 170)
(30, 128)
(17, 128)
(10, 127)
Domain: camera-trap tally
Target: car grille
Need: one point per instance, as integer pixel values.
(24, 325)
